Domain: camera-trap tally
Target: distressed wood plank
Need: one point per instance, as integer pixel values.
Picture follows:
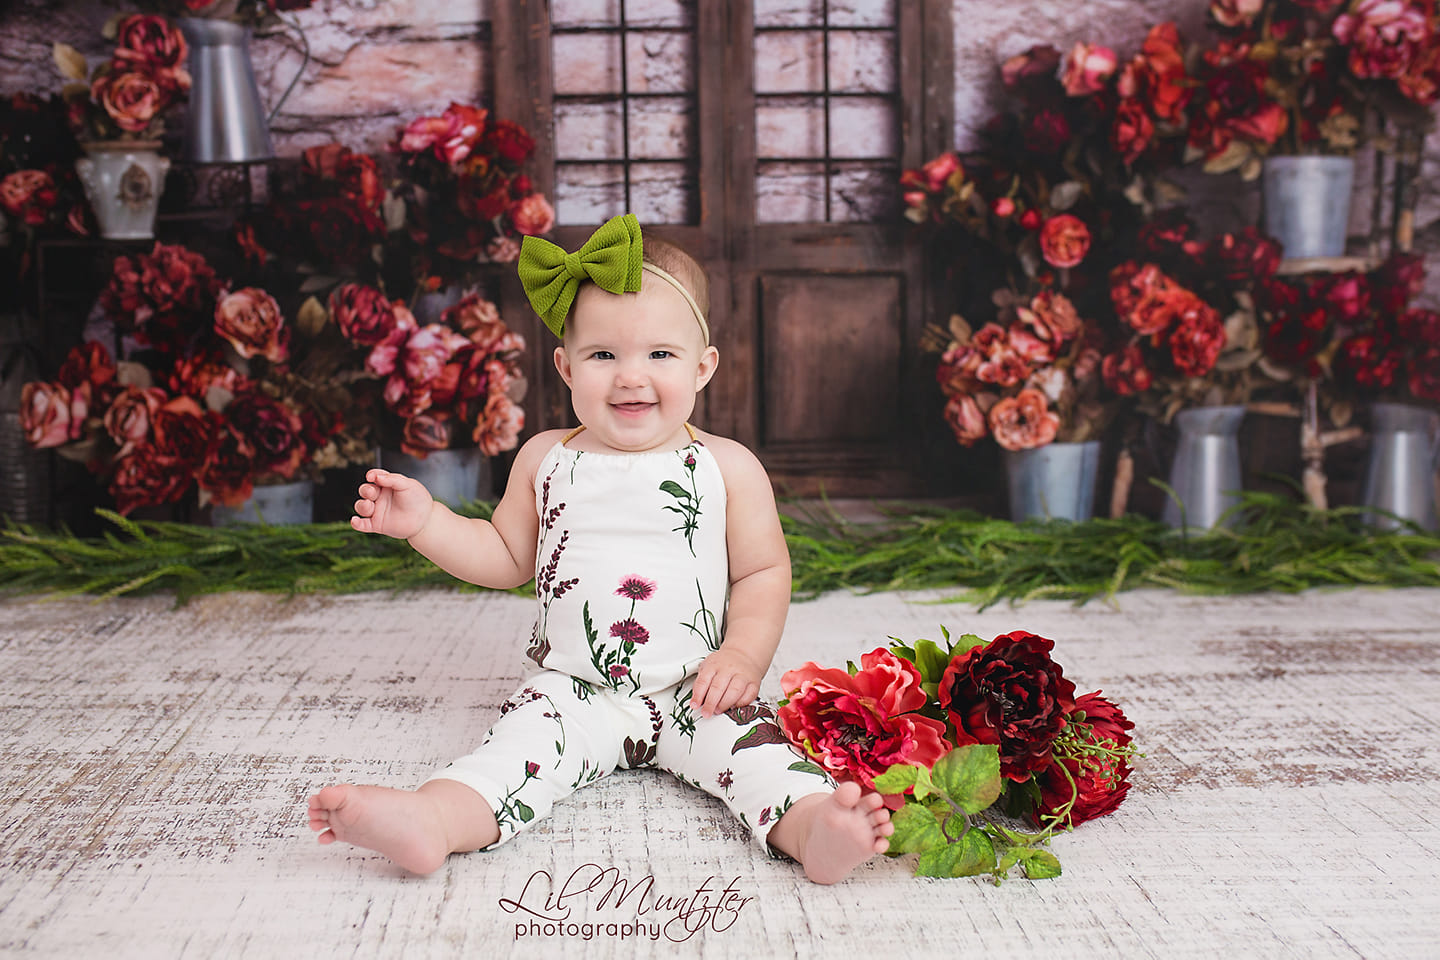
(154, 764)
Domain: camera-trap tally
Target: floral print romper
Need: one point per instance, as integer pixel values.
(631, 573)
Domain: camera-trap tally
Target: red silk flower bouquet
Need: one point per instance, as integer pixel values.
(963, 740)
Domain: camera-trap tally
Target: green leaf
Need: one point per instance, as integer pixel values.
(523, 812)
(965, 644)
(1040, 864)
(899, 778)
(930, 660)
(916, 830)
(675, 490)
(970, 776)
(805, 766)
(970, 856)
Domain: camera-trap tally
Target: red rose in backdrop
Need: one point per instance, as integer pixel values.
(28, 195)
(45, 414)
(128, 419)
(857, 726)
(131, 99)
(271, 429)
(1064, 240)
(1023, 421)
(149, 45)
(1010, 693)
(143, 476)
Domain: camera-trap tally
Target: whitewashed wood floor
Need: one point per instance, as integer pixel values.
(154, 764)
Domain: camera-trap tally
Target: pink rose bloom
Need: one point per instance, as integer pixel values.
(503, 249)
(424, 132)
(1052, 317)
(1000, 364)
(1090, 66)
(857, 727)
(1064, 240)
(128, 419)
(499, 426)
(966, 420)
(428, 350)
(427, 431)
(131, 99)
(1002, 207)
(532, 215)
(45, 414)
(1384, 36)
(1027, 345)
(938, 171)
(250, 320)
(405, 400)
(1024, 421)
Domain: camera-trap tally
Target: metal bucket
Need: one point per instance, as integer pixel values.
(1054, 481)
(279, 504)
(1400, 474)
(225, 122)
(1307, 203)
(1205, 473)
(454, 477)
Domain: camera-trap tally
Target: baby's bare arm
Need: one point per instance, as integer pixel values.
(499, 552)
(759, 584)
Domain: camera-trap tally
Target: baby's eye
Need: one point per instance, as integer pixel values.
(660, 354)
(602, 355)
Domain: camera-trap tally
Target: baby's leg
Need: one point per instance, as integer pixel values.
(542, 748)
(787, 802)
(417, 829)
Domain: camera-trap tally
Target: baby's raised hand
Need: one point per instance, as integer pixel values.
(392, 504)
(726, 679)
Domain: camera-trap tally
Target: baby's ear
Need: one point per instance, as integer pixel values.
(709, 363)
(562, 364)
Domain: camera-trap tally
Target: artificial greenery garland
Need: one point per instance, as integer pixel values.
(1275, 544)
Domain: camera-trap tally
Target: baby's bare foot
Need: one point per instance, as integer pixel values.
(406, 827)
(844, 830)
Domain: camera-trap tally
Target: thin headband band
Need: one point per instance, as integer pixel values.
(694, 307)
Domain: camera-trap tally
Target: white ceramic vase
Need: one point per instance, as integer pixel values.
(123, 180)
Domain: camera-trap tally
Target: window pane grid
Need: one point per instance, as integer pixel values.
(834, 174)
(619, 159)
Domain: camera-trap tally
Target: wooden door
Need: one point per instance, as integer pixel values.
(766, 137)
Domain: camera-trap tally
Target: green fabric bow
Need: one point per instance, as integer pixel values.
(551, 277)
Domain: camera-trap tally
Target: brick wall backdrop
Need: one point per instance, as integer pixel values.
(377, 63)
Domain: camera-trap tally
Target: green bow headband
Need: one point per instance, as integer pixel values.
(551, 277)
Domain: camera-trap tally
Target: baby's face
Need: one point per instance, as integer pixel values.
(634, 363)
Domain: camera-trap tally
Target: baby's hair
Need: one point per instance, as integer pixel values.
(683, 267)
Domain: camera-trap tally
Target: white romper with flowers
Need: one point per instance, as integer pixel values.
(631, 575)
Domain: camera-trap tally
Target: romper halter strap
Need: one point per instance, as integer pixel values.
(580, 429)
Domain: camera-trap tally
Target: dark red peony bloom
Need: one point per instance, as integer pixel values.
(146, 478)
(628, 631)
(88, 362)
(1197, 340)
(1010, 693)
(227, 475)
(1423, 375)
(1096, 782)
(272, 431)
(362, 313)
(1244, 257)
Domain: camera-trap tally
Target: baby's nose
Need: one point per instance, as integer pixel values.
(630, 373)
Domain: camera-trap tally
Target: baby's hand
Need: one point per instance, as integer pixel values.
(392, 504)
(726, 679)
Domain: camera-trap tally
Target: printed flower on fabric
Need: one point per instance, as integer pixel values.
(857, 726)
(628, 631)
(1010, 693)
(636, 588)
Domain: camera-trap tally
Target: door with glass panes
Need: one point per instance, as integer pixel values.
(766, 137)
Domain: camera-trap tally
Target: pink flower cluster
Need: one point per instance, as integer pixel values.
(473, 199)
(452, 382)
(144, 77)
(1006, 381)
